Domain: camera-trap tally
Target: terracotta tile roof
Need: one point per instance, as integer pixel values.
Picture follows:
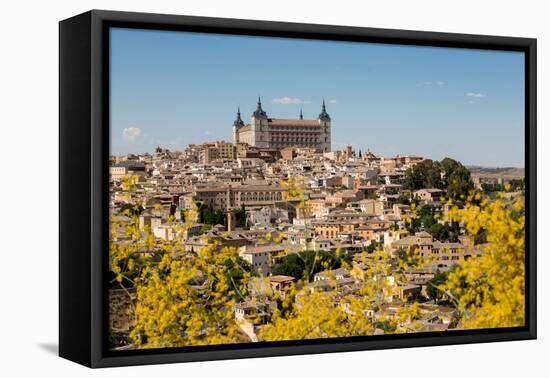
(263, 249)
(293, 122)
(281, 278)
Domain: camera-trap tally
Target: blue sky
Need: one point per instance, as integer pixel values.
(175, 88)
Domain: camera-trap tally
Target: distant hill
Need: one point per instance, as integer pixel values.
(504, 172)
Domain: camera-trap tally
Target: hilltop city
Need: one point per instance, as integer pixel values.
(279, 190)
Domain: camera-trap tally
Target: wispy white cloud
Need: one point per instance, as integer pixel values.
(475, 95)
(131, 134)
(431, 83)
(289, 101)
(333, 101)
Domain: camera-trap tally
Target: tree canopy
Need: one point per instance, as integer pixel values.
(427, 218)
(307, 263)
(208, 215)
(448, 174)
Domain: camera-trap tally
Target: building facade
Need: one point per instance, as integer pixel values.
(223, 196)
(219, 150)
(266, 132)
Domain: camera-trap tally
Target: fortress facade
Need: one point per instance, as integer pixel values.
(266, 132)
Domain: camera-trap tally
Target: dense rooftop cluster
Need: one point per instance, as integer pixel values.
(283, 208)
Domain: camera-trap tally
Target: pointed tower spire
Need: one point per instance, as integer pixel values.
(324, 115)
(238, 122)
(301, 114)
(259, 113)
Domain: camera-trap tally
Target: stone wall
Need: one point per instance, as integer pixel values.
(121, 306)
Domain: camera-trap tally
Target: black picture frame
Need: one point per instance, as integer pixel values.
(83, 182)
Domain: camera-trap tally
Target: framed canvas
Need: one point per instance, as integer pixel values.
(236, 188)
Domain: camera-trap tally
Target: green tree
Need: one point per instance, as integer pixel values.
(517, 184)
(208, 215)
(240, 217)
(291, 265)
(449, 175)
(402, 200)
(434, 286)
(426, 174)
(307, 263)
(373, 246)
(459, 184)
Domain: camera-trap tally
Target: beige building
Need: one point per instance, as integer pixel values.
(127, 168)
(437, 252)
(317, 207)
(266, 132)
(219, 150)
(259, 257)
(281, 284)
(117, 173)
(368, 206)
(226, 196)
(428, 195)
(192, 153)
(343, 197)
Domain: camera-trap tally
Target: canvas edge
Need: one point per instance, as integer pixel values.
(96, 356)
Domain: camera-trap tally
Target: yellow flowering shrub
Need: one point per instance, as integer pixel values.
(189, 300)
(489, 290)
(187, 297)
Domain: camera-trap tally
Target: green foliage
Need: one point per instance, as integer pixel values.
(237, 269)
(512, 185)
(117, 339)
(481, 236)
(426, 174)
(434, 286)
(306, 264)
(426, 219)
(240, 217)
(208, 215)
(517, 184)
(458, 180)
(292, 265)
(372, 195)
(373, 246)
(131, 209)
(402, 200)
(449, 175)
(423, 220)
(449, 231)
(205, 228)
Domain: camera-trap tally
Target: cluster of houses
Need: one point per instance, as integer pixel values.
(349, 201)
